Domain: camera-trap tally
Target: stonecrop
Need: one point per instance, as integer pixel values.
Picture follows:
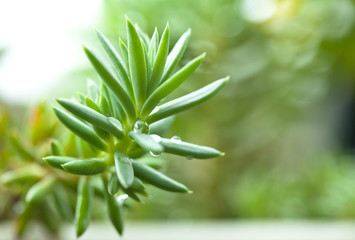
(116, 120)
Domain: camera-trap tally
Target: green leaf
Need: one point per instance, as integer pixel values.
(153, 47)
(185, 102)
(104, 105)
(124, 52)
(157, 179)
(137, 64)
(118, 64)
(170, 85)
(189, 150)
(57, 161)
(176, 54)
(93, 90)
(115, 209)
(25, 174)
(113, 185)
(92, 116)
(40, 189)
(161, 127)
(124, 169)
(81, 129)
(83, 205)
(118, 111)
(56, 148)
(112, 83)
(85, 167)
(91, 104)
(137, 186)
(62, 202)
(160, 61)
(20, 147)
(147, 142)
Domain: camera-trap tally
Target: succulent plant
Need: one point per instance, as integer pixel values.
(118, 119)
(31, 189)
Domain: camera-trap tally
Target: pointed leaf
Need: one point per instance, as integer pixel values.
(153, 47)
(189, 150)
(85, 167)
(81, 129)
(176, 54)
(62, 202)
(113, 185)
(22, 175)
(91, 116)
(157, 179)
(57, 161)
(83, 205)
(170, 85)
(180, 104)
(40, 189)
(115, 209)
(93, 90)
(160, 60)
(147, 142)
(124, 52)
(124, 169)
(112, 83)
(118, 63)
(56, 148)
(137, 64)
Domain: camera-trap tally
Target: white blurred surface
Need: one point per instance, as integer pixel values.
(219, 230)
(39, 39)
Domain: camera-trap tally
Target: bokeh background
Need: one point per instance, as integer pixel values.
(285, 120)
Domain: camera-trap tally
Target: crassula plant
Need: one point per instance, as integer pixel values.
(118, 121)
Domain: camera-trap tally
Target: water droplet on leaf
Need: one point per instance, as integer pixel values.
(141, 127)
(122, 197)
(175, 139)
(189, 157)
(154, 154)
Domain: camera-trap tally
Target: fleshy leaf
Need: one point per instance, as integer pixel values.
(57, 161)
(189, 150)
(85, 167)
(81, 129)
(91, 116)
(185, 102)
(83, 205)
(160, 60)
(137, 64)
(147, 142)
(111, 82)
(118, 63)
(40, 189)
(176, 54)
(170, 85)
(124, 169)
(157, 179)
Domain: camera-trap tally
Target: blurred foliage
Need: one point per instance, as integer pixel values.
(24, 140)
(281, 118)
(292, 70)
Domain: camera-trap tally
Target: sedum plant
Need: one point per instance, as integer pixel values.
(118, 121)
(30, 189)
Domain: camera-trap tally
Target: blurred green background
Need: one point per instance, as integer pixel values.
(285, 120)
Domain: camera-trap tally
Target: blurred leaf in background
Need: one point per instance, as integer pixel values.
(292, 72)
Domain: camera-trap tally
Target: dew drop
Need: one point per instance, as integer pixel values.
(175, 139)
(189, 157)
(122, 197)
(141, 127)
(154, 154)
(156, 138)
